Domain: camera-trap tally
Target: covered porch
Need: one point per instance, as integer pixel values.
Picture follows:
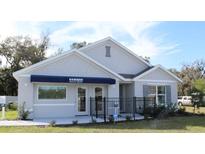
(126, 94)
(136, 107)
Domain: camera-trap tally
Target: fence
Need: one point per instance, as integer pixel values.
(106, 106)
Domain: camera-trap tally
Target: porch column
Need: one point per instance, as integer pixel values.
(113, 93)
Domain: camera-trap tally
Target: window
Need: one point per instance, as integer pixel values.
(158, 92)
(161, 95)
(51, 92)
(107, 54)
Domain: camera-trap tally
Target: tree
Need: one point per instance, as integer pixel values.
(189, 73)
(199, 85)
(8, 85)
(58, 52)
(19, 52)
(77, 45)
(200, 65)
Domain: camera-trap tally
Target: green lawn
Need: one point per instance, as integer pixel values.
(171, 125)
(10, 115)
(197, 111)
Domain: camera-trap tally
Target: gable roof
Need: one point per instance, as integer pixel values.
(131, 76)
(55, 58)
(154, 68)
(124, 77)
(127, 76)
(59, 57)
(118, 44)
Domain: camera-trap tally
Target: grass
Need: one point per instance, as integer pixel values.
(170, 125)
(181, 124)
(190, 109)
(10, 115)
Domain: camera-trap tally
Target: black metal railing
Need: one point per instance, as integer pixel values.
(109, 106)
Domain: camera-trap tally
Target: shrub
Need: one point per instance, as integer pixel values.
(111, 119)
(23, 113)
(170, 110)
(157, 111)
(12, 106)
(153, 111)
(163, 114)
(52, 123)
(181, 110)
(164, 111)
(75, 122)
(128, 118)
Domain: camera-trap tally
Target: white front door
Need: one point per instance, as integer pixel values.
(82, 101)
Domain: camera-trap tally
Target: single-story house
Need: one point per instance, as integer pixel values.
(62, 86)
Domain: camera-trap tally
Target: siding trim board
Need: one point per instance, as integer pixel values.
(56, 104)
(157, 81)
(155, 68)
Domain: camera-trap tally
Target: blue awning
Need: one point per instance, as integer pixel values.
(71, 79)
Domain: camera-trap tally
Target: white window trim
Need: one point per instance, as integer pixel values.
(156, 93)
(165, 95)
(46, 100)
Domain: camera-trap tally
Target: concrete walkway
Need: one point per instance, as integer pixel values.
(21, 123)
(60, 121)
(69, 121)
(47, 121)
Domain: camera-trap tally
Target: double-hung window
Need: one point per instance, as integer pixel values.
(159, 93)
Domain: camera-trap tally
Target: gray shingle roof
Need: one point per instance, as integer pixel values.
(131, 76)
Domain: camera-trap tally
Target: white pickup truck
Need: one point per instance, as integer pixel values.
(184, 100)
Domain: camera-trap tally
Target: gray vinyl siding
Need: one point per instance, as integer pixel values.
(168, 94)
(120, 61)
(145, 90)
(66, 108)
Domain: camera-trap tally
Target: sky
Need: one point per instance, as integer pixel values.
(170, 44)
